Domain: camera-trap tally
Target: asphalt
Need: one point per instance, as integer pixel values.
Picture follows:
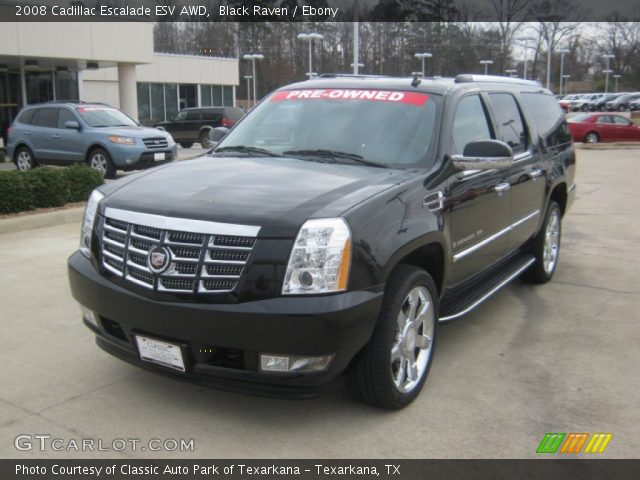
(563, 357)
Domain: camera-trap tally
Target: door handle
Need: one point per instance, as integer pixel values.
(27, 132)
(501, 187)
(55, 135)
(535, 173)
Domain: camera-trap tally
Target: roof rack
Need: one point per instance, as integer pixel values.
(349, 75)
(471, 78)
(73, 101)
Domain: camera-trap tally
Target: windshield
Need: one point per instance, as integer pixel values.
(105, 117)
(390, 128)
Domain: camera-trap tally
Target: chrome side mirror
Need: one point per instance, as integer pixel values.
(484, 155)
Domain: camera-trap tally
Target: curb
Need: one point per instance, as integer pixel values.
(608, 146)
(41, 220)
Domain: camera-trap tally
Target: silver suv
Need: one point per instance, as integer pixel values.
(63, 133)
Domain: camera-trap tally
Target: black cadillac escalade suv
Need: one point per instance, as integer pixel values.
(330, 230)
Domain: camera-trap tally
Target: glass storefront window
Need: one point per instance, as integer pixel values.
(227, 96)
(205, 96)
(188, 96)
(144, 108)
(157, 102)
(171, 99)
(39, 87)
(66, 85)
(217, 95)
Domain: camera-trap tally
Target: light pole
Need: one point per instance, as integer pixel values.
(511, 72)
(423, 57)
(526, 41)
(565, 77)
(253, 57)
(310, 37)
(607, 72)
(562, 53)
(486, 64)
(617, 77)
(248, 79)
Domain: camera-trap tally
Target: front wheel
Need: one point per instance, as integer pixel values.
(101, 162)
(391, 369)
(546, 247)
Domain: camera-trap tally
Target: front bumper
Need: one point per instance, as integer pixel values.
(339, 324)
(130, 157)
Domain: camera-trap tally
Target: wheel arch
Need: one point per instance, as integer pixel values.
(93, 147)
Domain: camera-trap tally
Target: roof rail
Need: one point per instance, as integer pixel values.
(470, 78)
(73, 101)
(349, 75)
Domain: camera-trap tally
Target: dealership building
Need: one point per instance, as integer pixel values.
(109, 62)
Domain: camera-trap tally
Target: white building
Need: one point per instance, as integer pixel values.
(106, 62)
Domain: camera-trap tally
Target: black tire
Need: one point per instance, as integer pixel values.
(371, 376)
(100, 160)
(204, 139)
(24, 159)
(186, 144)
(622, 108)
(591, 137)
(585, 107)
(539, 271)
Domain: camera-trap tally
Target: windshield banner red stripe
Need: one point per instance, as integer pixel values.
(393, 96)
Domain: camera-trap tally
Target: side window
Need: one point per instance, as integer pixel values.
(65, 116)
(604, 119)
(469, 124)
(548, 117)
(508, 121)
(26, 117)
(621, 120)
(194, 115)
(213, 114)
(46, 117)
(181, 116)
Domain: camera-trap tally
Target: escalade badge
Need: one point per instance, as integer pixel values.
(158, 259)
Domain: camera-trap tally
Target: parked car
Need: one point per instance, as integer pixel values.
(598, 105)
(336, 239)
(634, 105)
(195, 124)
(565, 103)
(580, 103)
(62, 133)
(603, 127)
(621, 103)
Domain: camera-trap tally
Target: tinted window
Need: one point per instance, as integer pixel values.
(604, 119)
(65, 116)
(548, 118)
(181, 116)
(193, 115)
(46, 117)
(469, 124)
(27, 116)
(508, 120)
(233, 113)
(212, 114)
(621, 120)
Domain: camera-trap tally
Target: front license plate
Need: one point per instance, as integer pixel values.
(159, 156)
(162, 353)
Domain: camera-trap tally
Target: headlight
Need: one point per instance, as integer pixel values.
(122, 140)
(320, 258)
(87, 222)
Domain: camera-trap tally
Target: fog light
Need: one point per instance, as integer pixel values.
(89, 316)
(294, 363)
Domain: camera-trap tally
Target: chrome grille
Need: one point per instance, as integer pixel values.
(200, 262)
(155, 142)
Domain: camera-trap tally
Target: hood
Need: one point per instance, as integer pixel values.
(277, 194)
(136, 132)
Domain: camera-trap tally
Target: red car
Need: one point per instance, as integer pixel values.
(603, 127)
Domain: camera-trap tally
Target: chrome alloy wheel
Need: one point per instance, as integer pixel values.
(411, 349)
(99, 163)
(24, 161)
(551, 242)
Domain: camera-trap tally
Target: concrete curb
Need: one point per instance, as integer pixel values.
(608, 146)
(41, 220)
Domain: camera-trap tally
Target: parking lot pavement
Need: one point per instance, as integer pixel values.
(563, 357)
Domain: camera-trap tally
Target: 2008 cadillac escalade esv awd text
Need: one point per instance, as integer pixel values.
(330, 230)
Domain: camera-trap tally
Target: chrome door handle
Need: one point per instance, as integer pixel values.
(535, 173)
(501, 187)
(27, 132)
(55, 135)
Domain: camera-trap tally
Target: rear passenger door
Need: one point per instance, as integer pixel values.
(44, 125)
(192, 124)
(478, 203)
(526, 177)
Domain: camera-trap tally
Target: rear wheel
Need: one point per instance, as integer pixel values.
(591, 137)
(101, 162)
(204, 139)
(391, 370)
(622, 108)
(24, 159)
(546, 247)
(186, 144)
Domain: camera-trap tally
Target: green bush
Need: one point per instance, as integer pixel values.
(46, 187)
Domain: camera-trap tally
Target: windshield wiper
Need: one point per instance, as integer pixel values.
(335, 154)
(246, 149)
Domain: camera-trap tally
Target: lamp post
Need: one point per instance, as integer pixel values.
(607, 72)
(248, 79)
(486, 64)
(565, 77)
(253, 57)
(423, 57)
(526, 41)
(562, 53)
(511, 72)
(617, 77)
(310, 37)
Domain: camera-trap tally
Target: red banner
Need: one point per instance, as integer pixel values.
(393, 96)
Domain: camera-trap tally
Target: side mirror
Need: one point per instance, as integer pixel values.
(484, 155)
(217, 134)
(72, 124)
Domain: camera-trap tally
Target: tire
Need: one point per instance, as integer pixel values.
(622, 108)
(585, 107)
(100, 160)
(546, 247)
(186, 144)
(204, 139)
(379, 375)
(24, 159)
(591, 137)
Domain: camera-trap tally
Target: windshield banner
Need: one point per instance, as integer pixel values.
(393, 96)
